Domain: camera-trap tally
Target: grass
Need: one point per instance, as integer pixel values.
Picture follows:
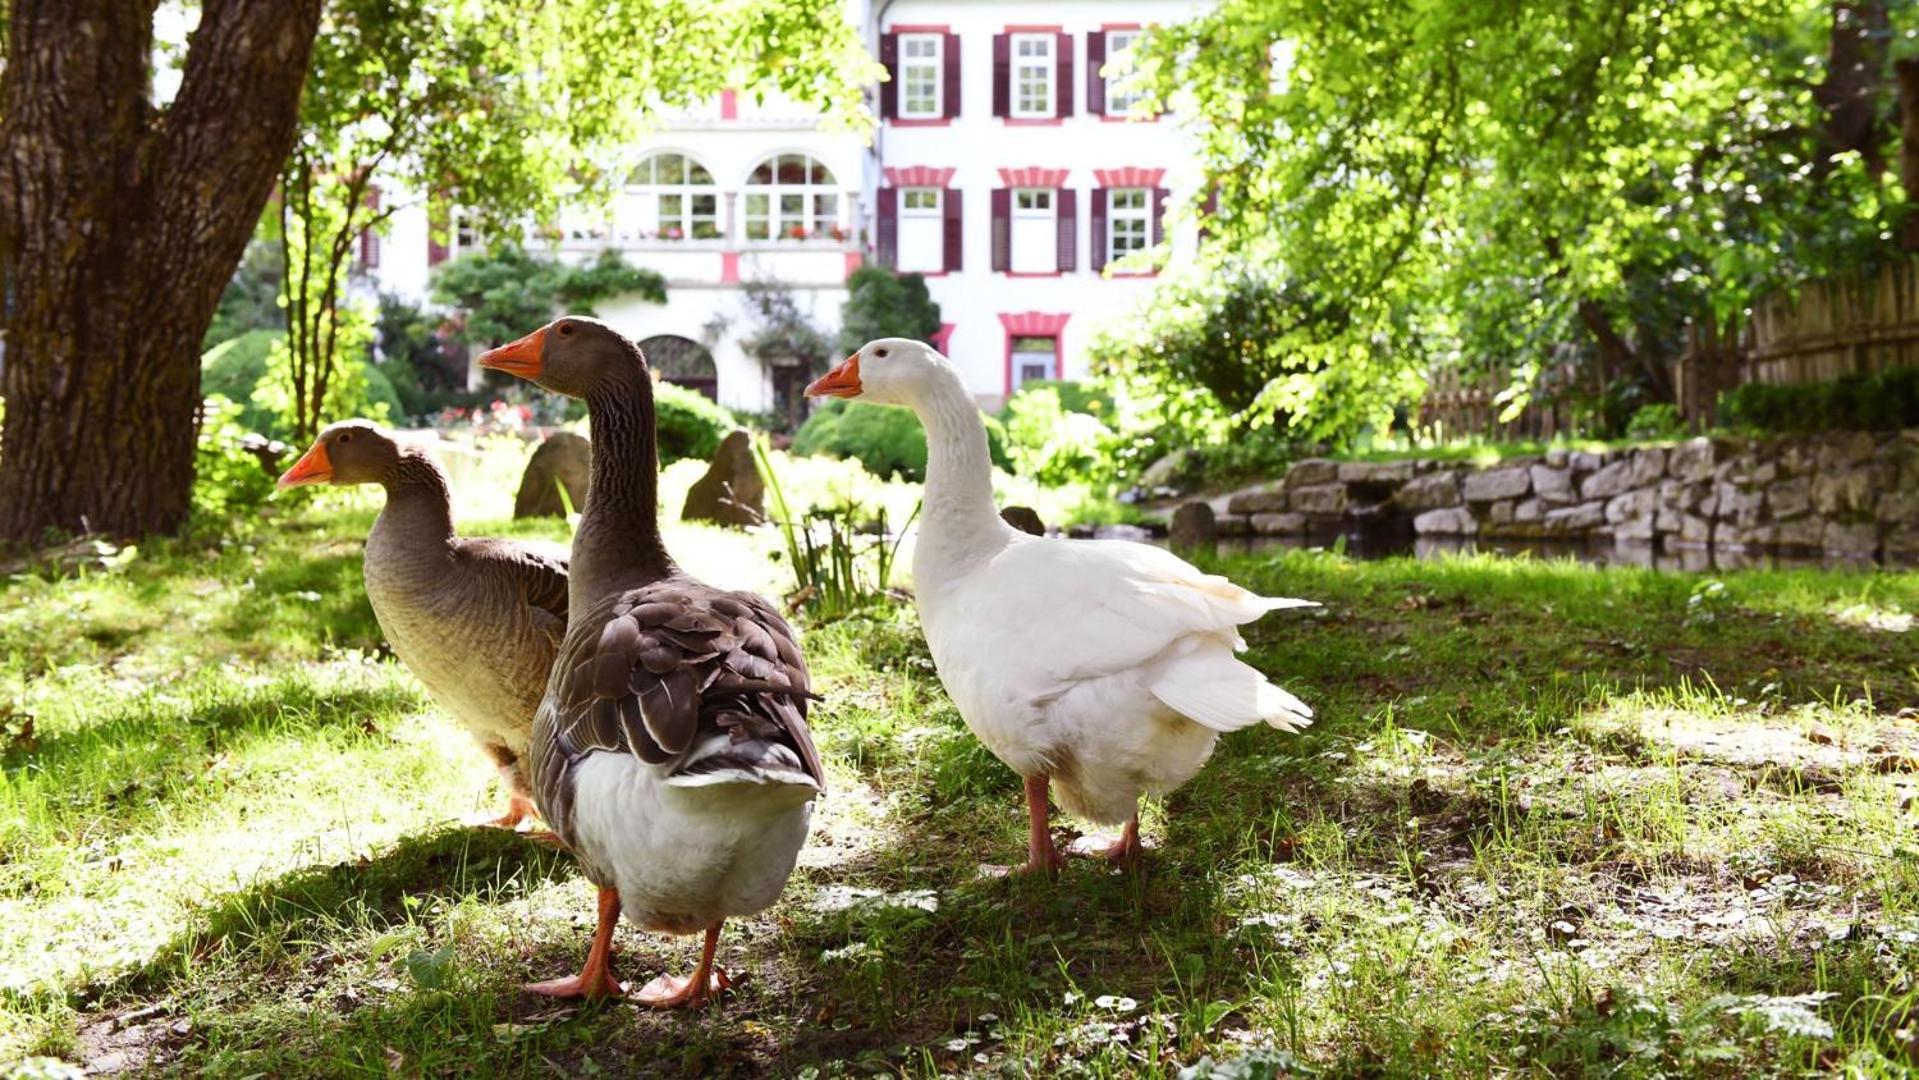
(1553, 820)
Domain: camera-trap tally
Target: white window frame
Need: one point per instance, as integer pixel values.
(925, 72)
(1138, 221)
(687, 220)
(785, 204)
(930, 200)
(1122, 92)
(1035, 202)
(1043, 63)
(1019, 359)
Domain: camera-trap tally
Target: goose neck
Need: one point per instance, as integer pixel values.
(958, 512)
(618, 545)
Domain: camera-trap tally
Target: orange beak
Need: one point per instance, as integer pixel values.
(522, 358)
(312, 468)
(842, 381)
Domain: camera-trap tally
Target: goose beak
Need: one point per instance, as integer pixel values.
(522, 358)
(842, 381)
(312, 468)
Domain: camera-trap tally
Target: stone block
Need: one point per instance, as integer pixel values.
(1429, 492)
(1852, 491)
(1323, 499)
(1278, 524)
(1260, 500)
(1804, 533)
(1500, 513)
(1193, 526)
(1553, 484)
(1789, 498)
(1375, 472)
(1575, 519)
(1900, 506)
(1529, 511)
(1233, 525)
(1844, 449)
(1648, 466)
(1695, 459)
(1558, 457)
(1609, 480)
(1858, 539)
(1312, 471)
(1582, 461)
(1491, 484)
(1446, 521)
(1694, 529)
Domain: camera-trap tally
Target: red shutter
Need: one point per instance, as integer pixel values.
(436, 236)
(955, 239)
(1068, 230)
(890, 89)
(1002, 75)
(1095, 85)
(1096, 247)
(887, 244)
(1064, 73)
(950, 94)
(1002, 229)
(1159, 216)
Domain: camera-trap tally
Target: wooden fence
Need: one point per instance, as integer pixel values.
(1861, 324)
(1456, 405)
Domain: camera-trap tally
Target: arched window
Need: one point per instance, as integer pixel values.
(792, 197)
(672, 197)
(682, 362)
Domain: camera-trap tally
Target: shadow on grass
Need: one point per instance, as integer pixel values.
(321, 594)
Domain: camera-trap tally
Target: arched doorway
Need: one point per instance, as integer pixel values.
(683, 362)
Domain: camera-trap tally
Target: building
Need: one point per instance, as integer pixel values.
(1005, 167)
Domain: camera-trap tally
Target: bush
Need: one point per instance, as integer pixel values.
(228, 479)
(690, 426)
(1093, 399)
(1053, 445)
(380, 395)
(880, 303)
(234, 368)
(885, 439)
(1654, 422)
(1881, 402)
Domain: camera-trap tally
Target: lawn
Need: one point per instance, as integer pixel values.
(1553, 820)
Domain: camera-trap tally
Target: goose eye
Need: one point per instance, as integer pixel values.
(879, 353)
(346, 436)
(566, 329)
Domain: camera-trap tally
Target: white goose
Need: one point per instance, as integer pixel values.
(1102, 667)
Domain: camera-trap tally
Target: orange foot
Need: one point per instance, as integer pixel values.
(592, 986)
(518, 808)
(1125, 851)
(1040, 864)
(683, 991)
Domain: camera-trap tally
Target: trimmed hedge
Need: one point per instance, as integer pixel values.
(885, 439)
(690, 426)
(1882, 402)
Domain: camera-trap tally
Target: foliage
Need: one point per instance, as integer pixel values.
(235, 368)
(849, 567)
(229, 478)
(1885, 401)
(252, 297)
(1075, 395)
(782, 330)
(1551, 175)
(1659, 421)
(690, 426)
(885, 439)
(881, 304)
(1053, 445)
(350, 389)
(507, 292)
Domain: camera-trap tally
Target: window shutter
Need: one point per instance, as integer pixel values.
(1068, 230)
(1002, 229)
(890, 89)
(1159, 216)
(1095, 85)
(955, 239)
(950, 93)
(1002, 75)
(1064, 75)
(1096, 249)
(887, 244)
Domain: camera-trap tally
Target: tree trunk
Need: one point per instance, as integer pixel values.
(1908, 73)
(1855, 75)
(120, 224)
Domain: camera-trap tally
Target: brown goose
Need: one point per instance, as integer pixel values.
(477, 621)
(671, 753)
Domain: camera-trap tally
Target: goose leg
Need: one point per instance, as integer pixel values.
(675, 992)
(595, 979)
(1122, 852)
(1041, 856)
(519, 806)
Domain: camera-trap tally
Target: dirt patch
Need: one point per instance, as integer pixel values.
(131, 1040)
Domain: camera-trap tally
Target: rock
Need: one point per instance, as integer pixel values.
(1375, 472)
(1631, 514)
(1695, 459)
(1175, 471)
(1743, 536)
(1529, 511)
(563, 461)
(1734, 503)
(1575, 519)
(1428, 492)
(1311, 471)
(1279, 524)
(1789, 498)
(1850, 491)
(1808, 533)
(1844, 449)
(1900, 507)
(1558, 457)
(1260, 500)
(1508, 483)
(1233, 525)
(1555, 485)
(1446, 521)
(1859, 539)
(1610, 480)
(1501, 512)
(1323, 499)
(1694, 529)
(1026, 519)
(1647, 466)
(1192, 527)
(1902, 543)
(1582, 461)
(731, 491)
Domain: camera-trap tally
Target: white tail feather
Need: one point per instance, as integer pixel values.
(1212, 688)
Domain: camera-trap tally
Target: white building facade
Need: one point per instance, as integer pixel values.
(1004, 167)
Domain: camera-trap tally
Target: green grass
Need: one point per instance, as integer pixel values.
(1553, 820)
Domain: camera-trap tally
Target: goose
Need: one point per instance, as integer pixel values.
(477, 621)
(1101, 669)
(671, 752)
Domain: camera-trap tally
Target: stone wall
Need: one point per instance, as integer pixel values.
(1850, 492)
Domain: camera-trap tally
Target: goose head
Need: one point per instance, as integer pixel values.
(886, 371)
(349, 452)
(572, 355)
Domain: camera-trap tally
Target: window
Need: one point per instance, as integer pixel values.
(791, 197)
(676, 200)
(920, 76)
(1033, 94)
(1122, 90)
(1034, 358)
(1129, 222)
(922, 236)
(466, 232)
(1035, 231)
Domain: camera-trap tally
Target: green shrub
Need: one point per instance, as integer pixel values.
(234, 368)
(228, 480)
(1054, 445)
(690, 426)
(1093, 399)
(381, 394)
(1654, 422)
(884, 439)
(1879, 402)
